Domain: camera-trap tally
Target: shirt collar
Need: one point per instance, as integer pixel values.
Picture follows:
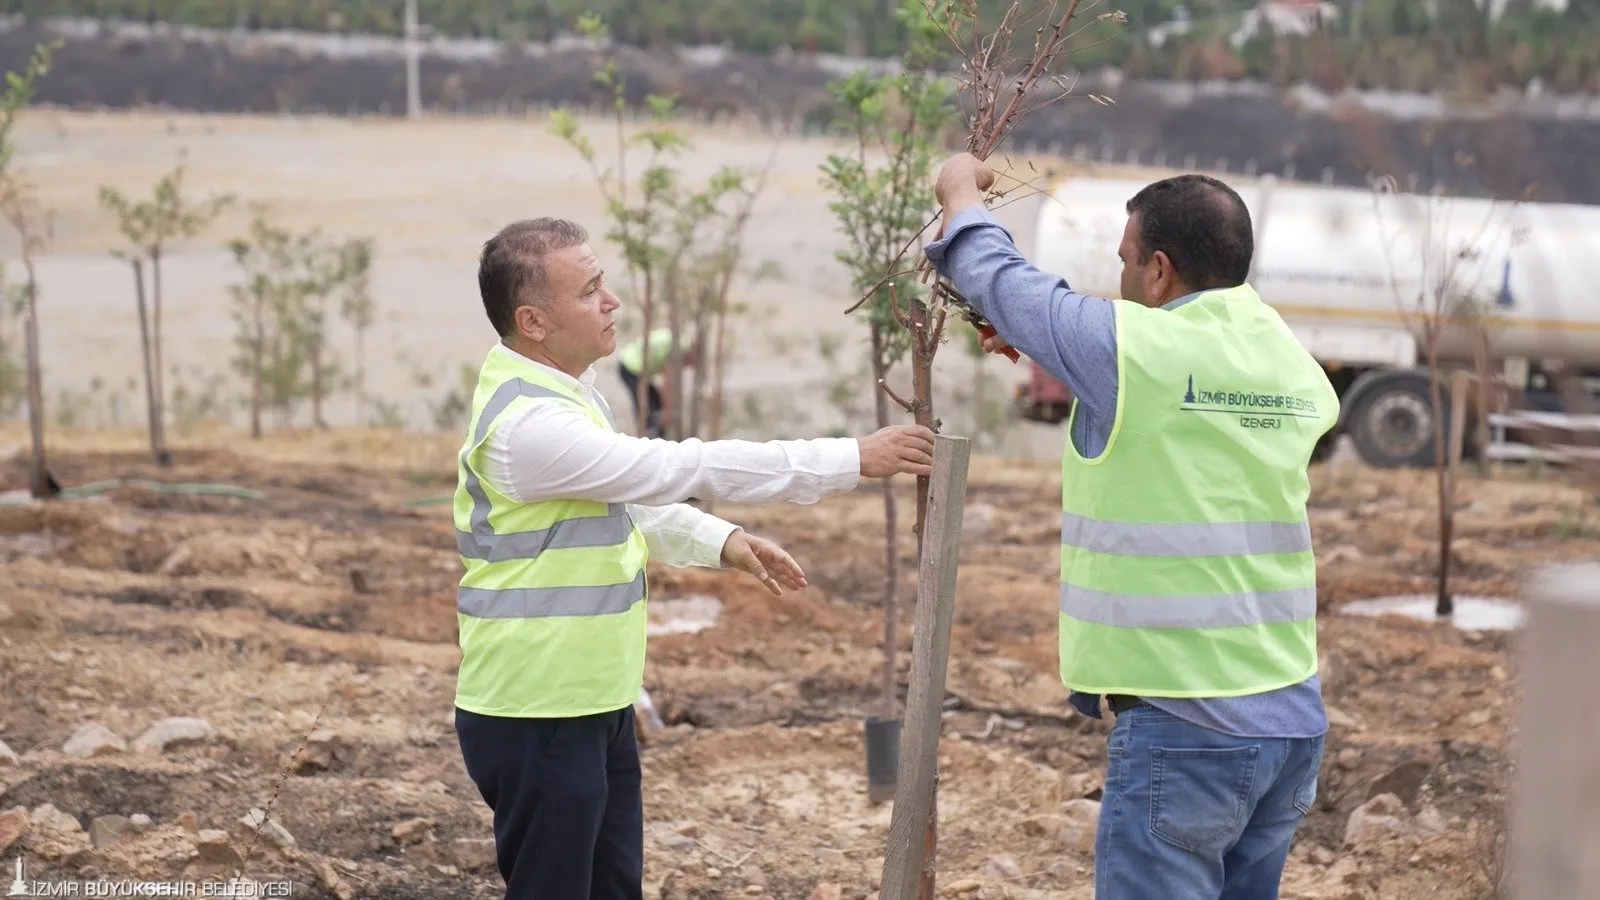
(586, 380)
(1174, 304)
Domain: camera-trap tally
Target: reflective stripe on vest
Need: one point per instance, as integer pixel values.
(1166, 539)
(1198, 539)
(1186, 555)
(533, 603)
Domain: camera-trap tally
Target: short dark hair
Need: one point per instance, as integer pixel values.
(1201, 224)
(511, 270)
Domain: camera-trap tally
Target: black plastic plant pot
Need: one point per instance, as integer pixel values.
(883, 758)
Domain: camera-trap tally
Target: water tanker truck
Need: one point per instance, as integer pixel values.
(1363, 278)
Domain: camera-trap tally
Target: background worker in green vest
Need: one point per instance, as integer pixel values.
(1188, 584)
(631, 362)
(556, 515)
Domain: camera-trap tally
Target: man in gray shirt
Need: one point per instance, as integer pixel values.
(1240, 843)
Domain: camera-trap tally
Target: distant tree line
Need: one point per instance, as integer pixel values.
(1397, 44)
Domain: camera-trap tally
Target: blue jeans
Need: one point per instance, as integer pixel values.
(1194, 814)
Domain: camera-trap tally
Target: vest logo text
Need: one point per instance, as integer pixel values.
(1256, 409)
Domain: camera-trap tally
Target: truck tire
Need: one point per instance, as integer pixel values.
(1391, 422)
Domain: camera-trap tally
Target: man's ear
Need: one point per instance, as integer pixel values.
(530, 321)
(1162, 274)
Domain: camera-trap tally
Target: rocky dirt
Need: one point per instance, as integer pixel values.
(301, 637)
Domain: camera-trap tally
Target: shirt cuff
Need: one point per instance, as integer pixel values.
(710, 534)
(839, 465)
(967, 218)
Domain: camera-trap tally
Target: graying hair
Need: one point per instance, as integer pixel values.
(511, 270)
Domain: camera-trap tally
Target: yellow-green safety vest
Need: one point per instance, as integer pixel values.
(1186, 560)
(551, 608)
(632, 355)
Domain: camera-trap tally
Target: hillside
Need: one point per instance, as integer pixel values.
(1510, 147)
(1392, 44)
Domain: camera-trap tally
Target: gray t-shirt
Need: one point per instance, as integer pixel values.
(1074, 338)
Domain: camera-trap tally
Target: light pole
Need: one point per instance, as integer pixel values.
(413, 78)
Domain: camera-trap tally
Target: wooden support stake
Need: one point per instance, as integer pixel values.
(909, 860)
(1555, 821)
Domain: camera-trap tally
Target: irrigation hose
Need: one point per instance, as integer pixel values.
(429, 501)
(100, 487)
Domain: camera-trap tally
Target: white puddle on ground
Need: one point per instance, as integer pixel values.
(683, 615)
(1470, 614)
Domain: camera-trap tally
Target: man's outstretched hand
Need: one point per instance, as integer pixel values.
(897, 450)
(765, 560)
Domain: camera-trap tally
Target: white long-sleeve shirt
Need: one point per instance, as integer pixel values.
(552, 451)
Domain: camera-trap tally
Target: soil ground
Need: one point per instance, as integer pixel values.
(324, 603)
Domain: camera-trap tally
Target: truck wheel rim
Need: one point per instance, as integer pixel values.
(1400, 424)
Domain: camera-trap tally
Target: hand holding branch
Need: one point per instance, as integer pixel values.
(897, 450)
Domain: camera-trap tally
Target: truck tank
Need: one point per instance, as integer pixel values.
(1368, 263)
(1356, 273)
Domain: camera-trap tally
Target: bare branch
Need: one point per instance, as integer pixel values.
(902, 402)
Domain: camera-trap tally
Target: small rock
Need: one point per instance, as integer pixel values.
(1322, 856)
(678, 842)
(105, 831)
(55, 835)
(215, 847)
(333, 882)
(962, 886)
(754, 890)
(324, 751)
(93, 739)
(1044, 826)
(46, 817)
(140, 821)
(1429, 822)
(688, 829)
(1341, 719)
(13, 825)
(172, 732)
(60, 656)
(271, 830)
(827, 891)
(1382, 815)
(713, 872)
(8, 757)
(1083, 817)
(1349, 758)
(977, 521)
(1085, 784)
(411, 831)
(1343, 553)
(189, 821)
(1404, 781)
(1001, 867)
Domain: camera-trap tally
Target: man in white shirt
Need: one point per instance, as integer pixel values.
(556, 513)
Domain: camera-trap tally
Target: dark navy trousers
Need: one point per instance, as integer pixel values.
(568, 810)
